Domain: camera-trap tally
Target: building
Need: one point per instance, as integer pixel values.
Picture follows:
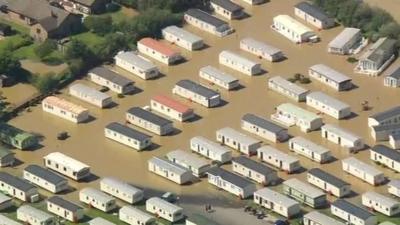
(100, 221)
(261, 49)
(376, 58)
(342, 137)
(330, 77)
(238, 141)
(253, 2)
(136, 65)
(45, 179)
(254, 170)
(304, 193)
(352, 213)
(197, 93)
(18, 188)
(349, 41)
(328, 182)
(227, 9)
(67, 166)
(210, 149)
(393, 79)
(182, 38)
(6, 157)
(171, 108)
(394, 141)
(8, 221)
(164, 209)
(127, 136)
(387, 117)
(158, 51)
(264, 128)
(197, 165)
(278, 159)
(292, 115)
(169, 170)
(149, 121)
(380, 203)
(313, 15)
(277, 202)
(310, 150)
(90, 95)
(328, 105)
(112, 80)
(394, 187)
(16, 137)
(5, 202)
(293, 30)
(287, 88)
(217, 77)
(65, 209)
(133, 216)
(239, 63)
(317, 218)
(385, 156)
(363, 171)
(64, 109)
(231, 182)
(207, 22)
(121, 190)
(97, 199)
(383, 132)
(85, 7)
(33, 216)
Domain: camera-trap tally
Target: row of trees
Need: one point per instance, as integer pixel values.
(175, 6)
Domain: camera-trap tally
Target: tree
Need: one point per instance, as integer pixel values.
(77, 50)
(112, 44)
(45, 48)
(100, 25)
(8, 63)
(46, 82)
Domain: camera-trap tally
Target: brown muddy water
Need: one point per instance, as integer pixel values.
(107, 158)
(392, 6)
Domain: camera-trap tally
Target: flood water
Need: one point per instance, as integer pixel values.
(107, 158)
(392, 6)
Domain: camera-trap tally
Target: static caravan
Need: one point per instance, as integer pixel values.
(342, 137)
(16, 137)
(197, 93)
(136, 65)
(33, 216)
(328, 105)
(383, 132)
(112, 80)
(394, 141)
(231, 182)
(5, 202)
(293, 30)
(347, 42)
(278, 159)
(227, 9)
(277, 202)
(218, 77)
(254, 170)
(313, 15)
(254, 2)
(393, 79)
(238, 141)
(182, 38)
(66, 166)
(169, 170)
(149, 121)
(394, 187)
(164, 209)
(127, 136)
(7, 221)
(304, 193)
(207, 22)
(18, 188)
(65, 109)
(381, 203)
(288, 89)
(317, 218)
(100, 221)
(134, 216)
(198, 219)
(65, 209)
(388, 117)
(292, 115)
(90, 95)
(261, 49)
(310, 150)
(210, 149)
(328, 182)
(45, 179)
(239, 63)
(121, 190)
(352, 213)
(97, 199)
(171, 108)
(363, 171)
(330, 77)
(6, 157)
(388, 157)
(197, 165)
(264, 128)
(387, 223)
(158, 51)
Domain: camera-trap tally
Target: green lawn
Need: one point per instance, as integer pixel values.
(122, 14)
(18, 27)
(89, 38)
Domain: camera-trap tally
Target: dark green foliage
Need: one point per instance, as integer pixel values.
(77, 50)
(352, 60)
(44, 83)
(100, 25)
(8, 63)
(45, 48)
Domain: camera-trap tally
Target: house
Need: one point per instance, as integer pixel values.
(33, 216)
(197, 165)
(182, 38)
(328, 182)
(171, 108)
(287, 88)
(328, 105)
(385, 156)
(112, 80)
(387, 117)
(261, 49)
(5, 202)
(16, 137)
(238, 141)
(197, 93)
(127, 136)
(352, 213)
(100, 221)
(90, 95)
(313, 15)
(277, 202)
(6, 157)
(239, 63)
(382, 132)
(380, 203)
(121, 190)
(264, 128)
(136, 65)
(304, 193)
(65, 209)
(317, 218)
(85, 7)
(363, 171)
(149, 121)
(8, 221)
(217, 77)
(394, 187)
(293, 30)
(65, 109)
(210, 149)
(97, 199)
(227, 9)
(231, 182)
(254, 170)
(394, 141)
(292, 115)
(310, 150)
(45, 179)
(18, 188)
(349, 41)
(158, 51)
(133, 216)
(278, 159)
(169, 170)
(207, 22)
(393, 79)
(164, 209)
(342, 137)
(66, 166)
(376, 58)
(330, 77)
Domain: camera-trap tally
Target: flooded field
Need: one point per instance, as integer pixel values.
(18, 93)
(107, 158)
(392, 6)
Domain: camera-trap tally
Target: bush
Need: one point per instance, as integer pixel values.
(352, 60)
(100, 25)
(45, 83)
(305, 80)
(291, 79)
(45, 48)
(112, 7)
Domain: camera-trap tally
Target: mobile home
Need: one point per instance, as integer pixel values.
(182, 38)
(238, 141)
(5, 202)
(328, 182)
(390, 158)
(90, 95)
(278, 159)
(7, 221)
(149, 121)
(363, 171)
(100, 221)
(210, 149)
(171, 108)
(393, 79)
(254, 2)
(65, 109)
(381, 203)
(197, 93)
(218, 77)
(18, 188)
(207, 22)
(227, 9)
(97, 199)
(342, 137)
(261, 49)
(164, 209)
(198, 166)
(134, 216)
(394, 141)
(328, 105)
(264, 128)
(352, 213)
(383, 132)
(239, 63)
(313, 15)
(33, 216)
(45, 179)
(254, 170)
(121, 190)
(16, 137)
(112, 80)
(136, 65)
(65, 209)
(330, 77)
(66, 166)
(310, 150)
(169, 170)
(158, 51)
(347, 42)
(277, 202)
(288, 89)
(304, 193)
(293, 30)
(394, 187)
(6, 157)
(388, 117)
(127, 136)
(317, 218)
